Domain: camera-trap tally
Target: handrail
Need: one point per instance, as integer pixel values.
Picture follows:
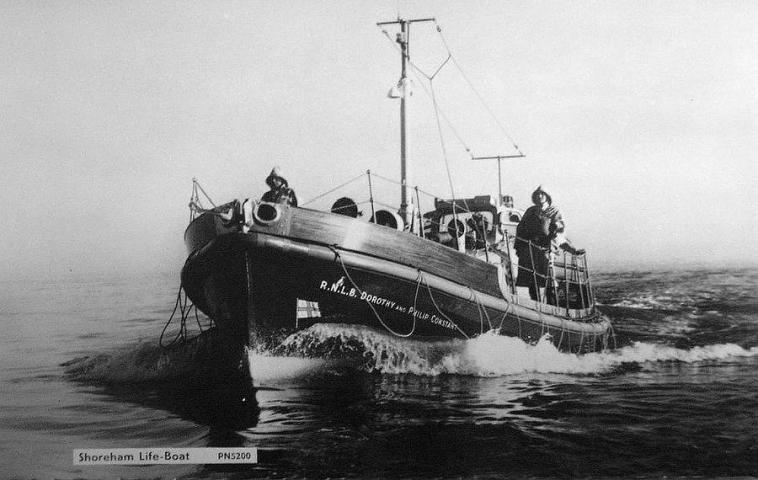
(575, 278)
(565, 277)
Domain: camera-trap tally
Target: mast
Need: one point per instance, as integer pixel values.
(499, 177)
(403, 38)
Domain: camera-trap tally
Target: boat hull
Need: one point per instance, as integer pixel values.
(249, 284)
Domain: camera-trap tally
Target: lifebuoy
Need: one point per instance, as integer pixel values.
(266, 213)
(387, 218)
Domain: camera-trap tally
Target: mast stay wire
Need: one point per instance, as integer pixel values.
(333, 189)
(444, 150)
(428, 194)
(196, 186)
(468, 81)
(415, 68)
(476, 92)
(438, 114)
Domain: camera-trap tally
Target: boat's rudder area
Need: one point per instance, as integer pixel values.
(218, 376)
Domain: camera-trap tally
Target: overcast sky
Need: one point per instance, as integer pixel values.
(640, 117)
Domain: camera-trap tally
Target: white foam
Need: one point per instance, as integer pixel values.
(492, 354)
(270, 369)
(337, 349)
(653, 352)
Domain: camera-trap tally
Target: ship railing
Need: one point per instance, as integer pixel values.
(196, 206)
(565, 280)
(376, 186)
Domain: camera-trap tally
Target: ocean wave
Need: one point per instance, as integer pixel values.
(655, 301)
(698, 291)
(137, 363)
(488, 355)
(340, 349)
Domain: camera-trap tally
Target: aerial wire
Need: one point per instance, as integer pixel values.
(476, 92)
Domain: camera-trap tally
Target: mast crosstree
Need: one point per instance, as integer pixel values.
(499, 175)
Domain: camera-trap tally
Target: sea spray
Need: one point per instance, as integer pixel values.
(488, 355)
(340, 349)
(372, 350)
(267, 368)
(651, 352)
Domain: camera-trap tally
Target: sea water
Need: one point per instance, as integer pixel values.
(678, 396)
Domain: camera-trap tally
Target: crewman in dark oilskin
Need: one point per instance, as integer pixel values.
(477, 226)
(540, 230)
(280, 191)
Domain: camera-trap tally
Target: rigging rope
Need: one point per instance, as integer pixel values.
(480, 309)
(444, 116)
(465, 207)
(200, 187)
(337, 256)
(442, 142)
(419, 280)
(414, 70)
(479, 96)
(438, 112)
(451, 57)
(195, 202)
(332, 190)
(429, 290)
(505, 314)
(181, 305)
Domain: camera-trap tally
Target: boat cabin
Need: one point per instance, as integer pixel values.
(471, 223)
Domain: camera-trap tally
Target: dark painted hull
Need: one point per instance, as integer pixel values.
(364, 274)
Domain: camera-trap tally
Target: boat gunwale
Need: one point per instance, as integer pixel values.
(591, 322)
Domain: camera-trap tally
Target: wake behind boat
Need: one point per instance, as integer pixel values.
(448, 273)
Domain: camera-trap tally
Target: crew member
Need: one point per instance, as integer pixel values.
(538, 233)
(477, 236)
(280, 191)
